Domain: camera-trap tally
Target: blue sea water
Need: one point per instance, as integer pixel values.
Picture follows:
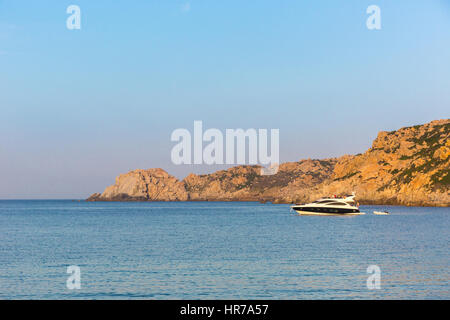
(216, 250)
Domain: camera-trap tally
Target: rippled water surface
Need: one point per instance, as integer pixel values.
(219, 250)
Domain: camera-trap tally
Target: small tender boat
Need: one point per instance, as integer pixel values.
(381, 213)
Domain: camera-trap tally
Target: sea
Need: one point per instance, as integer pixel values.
(70, 249)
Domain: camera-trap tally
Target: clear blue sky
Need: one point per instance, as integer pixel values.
(79, 107)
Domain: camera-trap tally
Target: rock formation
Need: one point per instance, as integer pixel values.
(144, 185)
(409, 166)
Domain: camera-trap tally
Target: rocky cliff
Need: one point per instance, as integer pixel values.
(144, 185)
(409, 166)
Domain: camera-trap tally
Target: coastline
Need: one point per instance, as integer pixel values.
(392, 202)
(409, 166)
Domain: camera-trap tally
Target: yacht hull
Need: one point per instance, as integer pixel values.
(309, 213)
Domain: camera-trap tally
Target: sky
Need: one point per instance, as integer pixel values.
(79, 107)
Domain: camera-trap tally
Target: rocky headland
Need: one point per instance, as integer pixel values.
(409, 166)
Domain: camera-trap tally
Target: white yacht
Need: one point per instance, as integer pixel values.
(329, 207)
